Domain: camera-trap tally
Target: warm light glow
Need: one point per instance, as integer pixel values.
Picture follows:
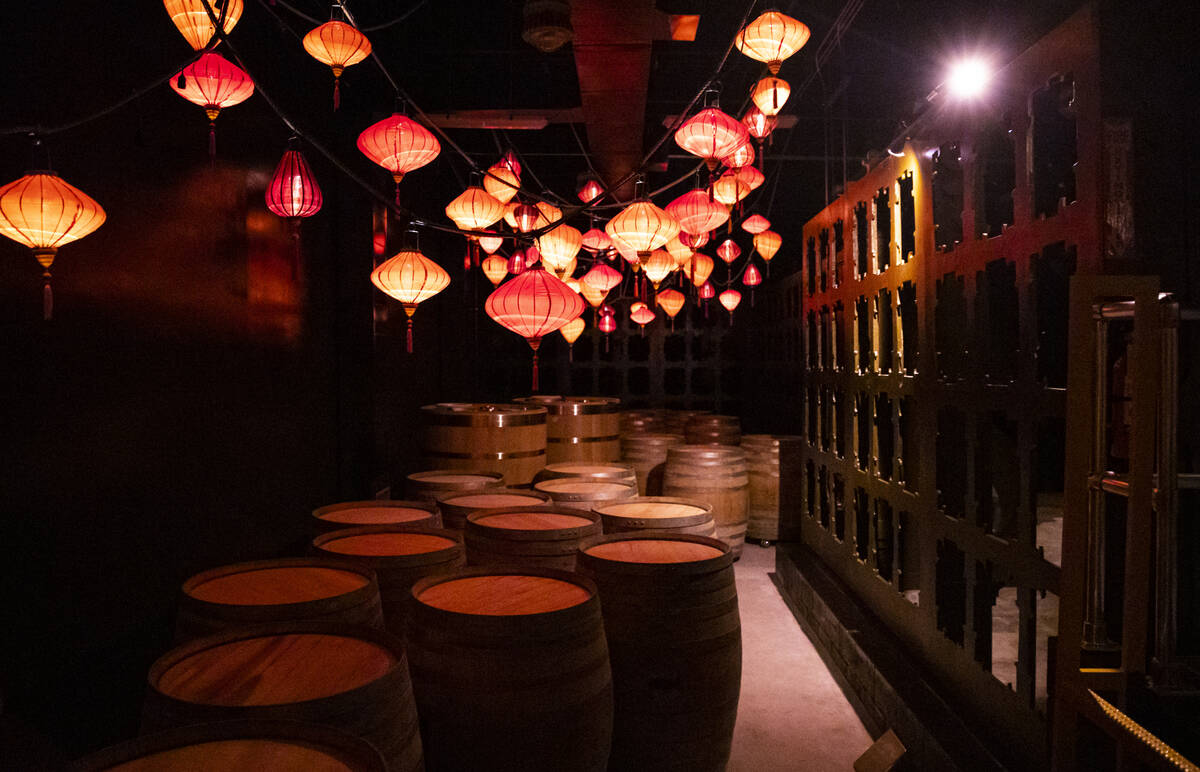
(752, 277)
(771, 38)
(742, 155)
(193, 22)
(411, 278)
(678, 251)
(495, 268)
(595, 297)
(770, 94)
(728, 189)
(43, 212)
(670, 301)
(643, 227)
(501, 182)
(643, 315)
(766, 244)
(516, 263)
(293, 191)
(602, 277)
(658, 266)
(534, 304)
(572, 330)
(751, 176)
(728, 251)
(696, 212)
(532, 256)
(490, 244)
(693, 240)
(730, 299)
(698, 269)
(474, 209)
(607, 323)
(711, 134)
(755, 223)
(559, 245)
(214, 83)
(589, 191)
(596, 240)
(338, 45)
(706, 291)
(624, 250)
(968, 78)
(399, 144)
(759, 125)
(635, 305)
(509, 159)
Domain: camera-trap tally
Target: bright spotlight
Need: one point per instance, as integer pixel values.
(968, 78)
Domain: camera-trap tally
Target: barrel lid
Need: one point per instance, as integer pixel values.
(378, 543)
(533, 519)
(273, 583)
(502, 594)
(494, 500)
(558, 405)
(583, 486)
(706, 454)
(433, 477)
(649, 507)
(653, 438)
(661, 550)
(253, 667)
(375, 512)
(484, 414)
(582, 469)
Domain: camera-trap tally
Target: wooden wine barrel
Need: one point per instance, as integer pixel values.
(647, 454)
(674, 638)
(456, 507)
(657, 513)
(236, 746)
(348, 514)
(350, 677)
(607, 472)
(286, 590)
(714, 430)
(639, 421)
(399, 557)
(510, 670)
(717, 476)
(762, 467)
(580, 428)
(542, 537)
(436, 483)
(676, 421)
(583, 493)
(509, 439)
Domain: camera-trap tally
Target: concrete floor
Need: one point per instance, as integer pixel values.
(792, 715)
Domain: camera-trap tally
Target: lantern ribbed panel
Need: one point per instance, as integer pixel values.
(559, 246)
(752, 277)
(213, 82)
(658, 266)
(593, 295)
(495, 268)
(742, 155)
(490, 244)
(410, 277)
(399, 144)
(750, 175)
(730, 299)
(194, 23)
(474, 209)
(771, 38)
(757, 124)
(770, 94)
(756, 224)
(533, 255)
(602, 277)
(693, 240)
(728, 250)
(697, 213)
(516, 263)
(678, 250)
(573, 329)
(711, 134)
(670, 301)
(642, 226)
(337, 44)
(706, 291)
(596, 240)
(533, 304)
(766, 244)
(643, 315)
(729, 189)
(293, 190)
(501, 182)
(698, 269)
(624, 250)
(590, 191)
(42, 211)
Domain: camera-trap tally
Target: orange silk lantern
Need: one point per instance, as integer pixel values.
(771, 38)
(516, 263)
(658, 266)
(642, 226)
(742, 155)
(214, 83)
(697, 213)
(770, 94)
(559, 245)
(602, 277)
(698, 269)
(728, 189)
(550, 214)
(410, 278)
(627, 252)
(596, 241)
(400, 145)
(474, 209)
(293, 192)
(191, 18)
(759, 125)
(671, 302)
(337, 45)
(693, 240)
(752, 177)
(43, 212)
(711, 135)
(532, 305)
(728, 251)
(571, 332)
(635, 305)
(678, 251)
(502, 182)
(491, 243)
(590, 191)
(593, 295)
(766, 244)
(730, 299)
(495, 268)
(755, 224)
(642, 316)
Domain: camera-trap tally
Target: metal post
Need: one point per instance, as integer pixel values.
(1095, 632)
(1167, 500)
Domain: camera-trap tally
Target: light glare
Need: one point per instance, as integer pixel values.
(968, 78)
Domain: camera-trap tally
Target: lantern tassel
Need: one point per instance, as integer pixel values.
(534, 343)
(47, 297)
(337, 92)
(212, 141)
(571, 352)
(410, 335)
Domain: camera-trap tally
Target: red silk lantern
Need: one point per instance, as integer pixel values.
(532, 305)
(509, 159)
(411, 278)
(516, 263)
(693, 240)
(711, 135)
(771, 38)
(755, 224)
(742, 155)
(671, 302)
(602, 277)
(337, 45)
(698, 269)
(293, 192)
(752, 177)
(533, 256)
(590, 191)
(642, 316)
(759, 125)
(43, 212)
(606, 324)
(400, 145)
(214, 83)
(728, 251)
(752, 278)
(730, 299)
(191, 18)
(495, 268)
(697, 213)
(596, 241)
(502, 182)
(706, 291)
